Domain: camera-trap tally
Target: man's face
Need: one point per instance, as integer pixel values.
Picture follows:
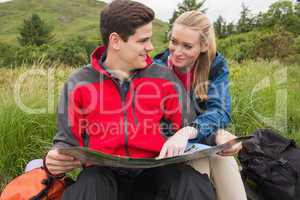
(133, 53)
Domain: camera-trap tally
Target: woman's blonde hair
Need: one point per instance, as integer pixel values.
(200, 22)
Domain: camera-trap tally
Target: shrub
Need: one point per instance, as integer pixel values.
(74, 52)
(7, 54)
(266, 45)
(239, 47)
(297, 45)
(31, 54)
(274, 45)
(34, 31)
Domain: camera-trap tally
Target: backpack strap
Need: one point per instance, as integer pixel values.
(48, 182)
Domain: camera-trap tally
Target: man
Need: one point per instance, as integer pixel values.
(116, 105)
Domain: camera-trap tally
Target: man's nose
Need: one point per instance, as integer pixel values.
(149, 47)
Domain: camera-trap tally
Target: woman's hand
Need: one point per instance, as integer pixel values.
(176, 144)
(222, 137)
(57, 163)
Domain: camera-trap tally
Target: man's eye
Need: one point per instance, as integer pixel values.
(143, 40)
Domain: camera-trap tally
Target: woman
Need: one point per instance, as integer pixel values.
(203, 71)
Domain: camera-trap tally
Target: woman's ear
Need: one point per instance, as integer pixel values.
(204, 41)
(204, 47)
(115, 40)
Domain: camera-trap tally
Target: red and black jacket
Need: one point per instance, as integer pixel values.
(126, 118)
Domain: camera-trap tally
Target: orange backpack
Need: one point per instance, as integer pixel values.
(35, 185)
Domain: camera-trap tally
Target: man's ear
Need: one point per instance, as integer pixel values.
(115, 40)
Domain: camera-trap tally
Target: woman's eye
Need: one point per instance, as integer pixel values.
(187, 46)
(174, 42)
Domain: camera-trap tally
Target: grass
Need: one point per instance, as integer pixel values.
(261, 95)
(28, 136)
(25, 136)
(265, 95)
(67, 17)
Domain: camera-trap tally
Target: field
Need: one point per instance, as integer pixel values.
(69, 19)
(263, 95)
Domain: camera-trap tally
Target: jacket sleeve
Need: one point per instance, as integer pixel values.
(68, 117)
(218, 106)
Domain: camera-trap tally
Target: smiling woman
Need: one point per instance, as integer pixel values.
(193, 57)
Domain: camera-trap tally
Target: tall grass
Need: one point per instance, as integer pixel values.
(25, 136)
(254, 108)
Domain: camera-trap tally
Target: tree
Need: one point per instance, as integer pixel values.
(281, 10)
(284, 14)
(220, 27)
(278, 13)
(34, 31)
(258, 20)
(186, 5)
(297, 9)
(230, 29)
(245, 23)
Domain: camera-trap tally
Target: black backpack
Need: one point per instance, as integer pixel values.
(272, 164)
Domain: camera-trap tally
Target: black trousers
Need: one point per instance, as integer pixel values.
(171, 182)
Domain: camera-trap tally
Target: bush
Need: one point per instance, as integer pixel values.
(74, 52)
(297, 45)
(31, 54)
(34, 31)
(239, 47)
(7, 55)
(279, 44)
(292, 59)
(274, 45)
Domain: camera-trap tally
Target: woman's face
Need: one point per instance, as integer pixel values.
(184, 47)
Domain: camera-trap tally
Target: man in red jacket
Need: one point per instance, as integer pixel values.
(117, 105)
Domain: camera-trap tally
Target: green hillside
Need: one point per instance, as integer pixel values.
(69, 18)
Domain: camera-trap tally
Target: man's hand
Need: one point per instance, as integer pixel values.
(222, 137)
(58, 163)
(176, 144)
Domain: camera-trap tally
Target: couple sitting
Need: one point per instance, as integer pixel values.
(124, 103)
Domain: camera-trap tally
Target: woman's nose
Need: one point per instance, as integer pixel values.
(177, 51)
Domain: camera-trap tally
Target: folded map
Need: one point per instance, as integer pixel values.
(194, 151)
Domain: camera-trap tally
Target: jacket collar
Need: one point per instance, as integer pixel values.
(96, 62)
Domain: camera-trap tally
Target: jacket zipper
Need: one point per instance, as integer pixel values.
(123, 99)
(123, 95)
(133, 109)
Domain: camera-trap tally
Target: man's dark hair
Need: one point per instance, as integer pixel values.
(123, 17)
